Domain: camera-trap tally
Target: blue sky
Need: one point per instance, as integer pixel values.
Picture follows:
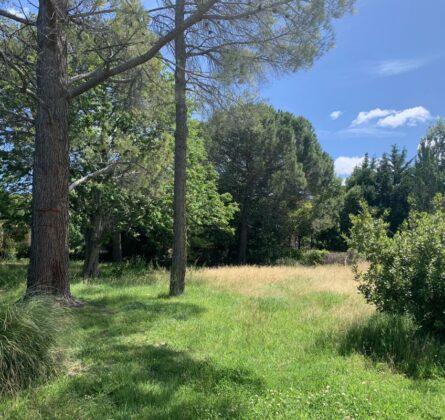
(382, 84)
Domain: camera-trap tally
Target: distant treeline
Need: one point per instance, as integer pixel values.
(260, 187)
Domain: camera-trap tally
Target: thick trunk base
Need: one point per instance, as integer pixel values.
(65, 300)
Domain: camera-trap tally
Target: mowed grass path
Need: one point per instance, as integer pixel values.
(246, 342)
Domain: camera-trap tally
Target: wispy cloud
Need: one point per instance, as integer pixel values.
(410, 116)
(336, 115)
(389, 118)
(366, 116)
(387, 68)
(375, 132)
(344, 165)
(359, 133)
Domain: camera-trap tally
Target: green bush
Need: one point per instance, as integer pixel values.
(30, 335)
(308, 257)
(406, 273)
(314, 257)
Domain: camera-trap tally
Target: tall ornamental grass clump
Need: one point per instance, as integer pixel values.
(30, 337)
(406, 273)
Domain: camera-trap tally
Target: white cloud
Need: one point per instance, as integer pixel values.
(395, 67)
(392, 118)
(336, 115)
(410, 116)
(344, 165)
(367, 116)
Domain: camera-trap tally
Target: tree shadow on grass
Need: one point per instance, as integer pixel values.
(161, 383)
(122, 315)
(122, 379)
(397, 342)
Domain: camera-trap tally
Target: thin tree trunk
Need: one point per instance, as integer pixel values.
(243, 234)
(117, 247)
(48, 268)
(93, 237)
(92, 251)
(179, 259)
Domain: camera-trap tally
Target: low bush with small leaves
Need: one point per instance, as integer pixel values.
(310, 257)
(30, 334)
(314, 257)
(406, 273)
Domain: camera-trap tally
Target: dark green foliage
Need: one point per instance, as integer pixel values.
(406, 274)
(397, 341)
(272, 165)
(30, 333)
(384, 184)
(429, 169)
(14, 224)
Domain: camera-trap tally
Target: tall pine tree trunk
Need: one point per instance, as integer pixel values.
(179, 260)
(48, 268)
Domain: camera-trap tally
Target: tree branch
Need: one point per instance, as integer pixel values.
(16, 18)
(93, 175)
(102, 74)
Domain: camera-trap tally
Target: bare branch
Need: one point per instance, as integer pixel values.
(16, 18)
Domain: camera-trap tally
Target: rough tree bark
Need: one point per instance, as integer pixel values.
(117, 247)
(179, 259)
(48, 269)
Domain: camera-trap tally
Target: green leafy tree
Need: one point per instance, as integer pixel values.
(268, 161)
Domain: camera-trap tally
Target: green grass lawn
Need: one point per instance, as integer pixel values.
(214, 353)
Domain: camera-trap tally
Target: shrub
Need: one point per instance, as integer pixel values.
(287, 261)
(29, 342)
(308, 257)
(406, 273)
(314, 257)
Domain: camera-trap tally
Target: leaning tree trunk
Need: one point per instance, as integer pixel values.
(179, 260)
(48, 268)
(117, 247)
